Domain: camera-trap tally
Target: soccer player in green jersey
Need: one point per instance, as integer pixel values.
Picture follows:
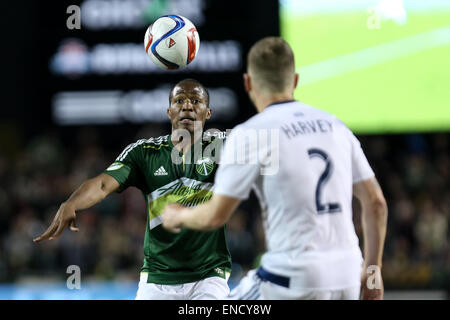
(167, 169)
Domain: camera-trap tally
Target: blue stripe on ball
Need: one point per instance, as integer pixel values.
(179, 24)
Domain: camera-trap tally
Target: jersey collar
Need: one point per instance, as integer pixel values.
(280, 102)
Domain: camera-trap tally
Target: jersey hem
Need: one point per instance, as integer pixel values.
(171, 279)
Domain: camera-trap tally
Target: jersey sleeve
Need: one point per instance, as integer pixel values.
(125, 169)
(361, 169)
(239, 166)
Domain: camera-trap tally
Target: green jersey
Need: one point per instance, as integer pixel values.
(189, 255)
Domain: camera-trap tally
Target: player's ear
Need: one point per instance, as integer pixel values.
(208, 113)
(168, 112)
(296, 77)
(247, 82)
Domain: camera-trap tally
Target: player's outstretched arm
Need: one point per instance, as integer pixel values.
(88, 194)
(374, 221)
(205, 217)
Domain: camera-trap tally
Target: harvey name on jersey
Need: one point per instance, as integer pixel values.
(306, 127)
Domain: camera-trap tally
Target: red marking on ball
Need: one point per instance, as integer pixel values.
(191, 44)
(150, 39)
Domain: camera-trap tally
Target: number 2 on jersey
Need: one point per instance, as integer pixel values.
(324, 207)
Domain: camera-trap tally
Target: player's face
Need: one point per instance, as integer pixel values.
(188, 105)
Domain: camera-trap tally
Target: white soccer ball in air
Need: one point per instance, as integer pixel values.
(172, 42)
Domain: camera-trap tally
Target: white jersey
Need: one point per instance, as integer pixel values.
(303, 178)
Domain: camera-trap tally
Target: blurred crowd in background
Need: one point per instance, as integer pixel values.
(38, 175)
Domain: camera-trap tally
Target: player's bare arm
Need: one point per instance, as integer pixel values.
(91, 192)
(374, 220)
(208, 216)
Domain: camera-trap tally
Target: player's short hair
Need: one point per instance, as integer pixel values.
(271, 62)
(189, 80)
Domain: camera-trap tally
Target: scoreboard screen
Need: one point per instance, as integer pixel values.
(99, 73)
(381, 66)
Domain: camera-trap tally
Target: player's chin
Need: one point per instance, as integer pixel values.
(186, 126)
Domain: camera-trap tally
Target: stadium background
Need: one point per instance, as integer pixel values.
(73, 99)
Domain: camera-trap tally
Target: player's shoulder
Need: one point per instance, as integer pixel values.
(314, 112)
(135, 149)
(153, 143)
(277, 113)
(261, 119)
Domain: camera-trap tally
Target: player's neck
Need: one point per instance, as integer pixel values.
(263, 101)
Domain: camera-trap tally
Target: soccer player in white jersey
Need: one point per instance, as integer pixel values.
(317, 166)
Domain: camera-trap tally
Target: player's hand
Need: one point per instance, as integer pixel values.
(171, 217)
(64, 217)
(372, 287)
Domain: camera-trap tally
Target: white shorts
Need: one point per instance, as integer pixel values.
(253, 287)
(212, 288)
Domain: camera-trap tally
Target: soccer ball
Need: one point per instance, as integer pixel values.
(172, 42)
